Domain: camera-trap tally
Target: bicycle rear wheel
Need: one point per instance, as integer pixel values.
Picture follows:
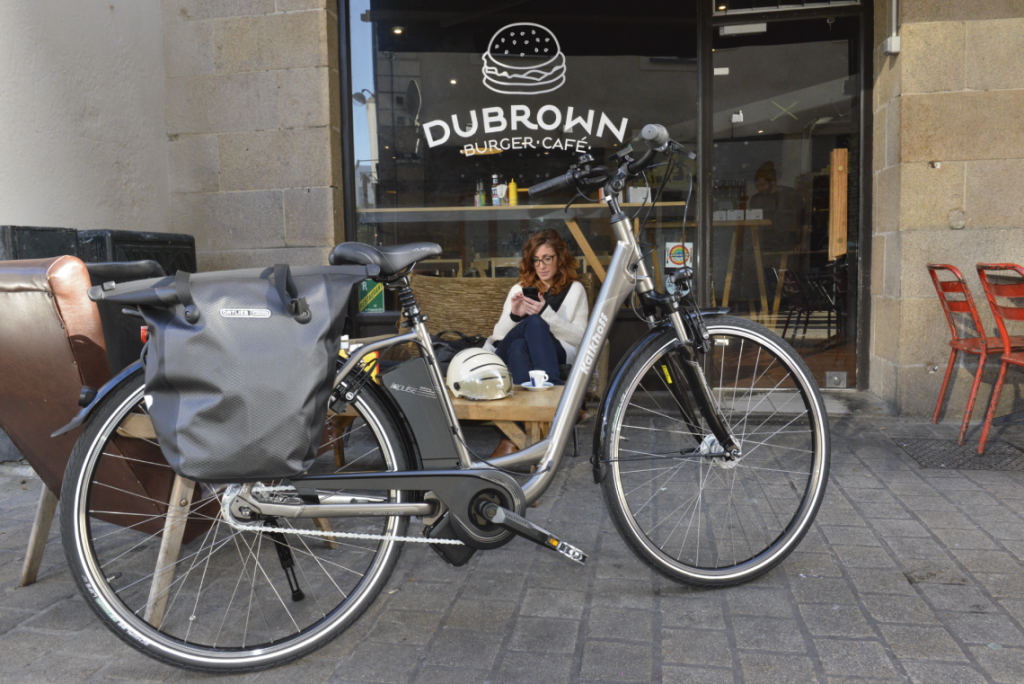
(703, 519)
(226, 599)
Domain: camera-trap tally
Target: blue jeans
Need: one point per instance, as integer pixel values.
(531, 346)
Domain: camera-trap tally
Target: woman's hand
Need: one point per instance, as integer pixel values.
(517, 304)
(530, 306)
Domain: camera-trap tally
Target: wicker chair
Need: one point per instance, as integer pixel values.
(473, 305)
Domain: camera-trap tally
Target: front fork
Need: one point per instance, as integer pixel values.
(683, 370)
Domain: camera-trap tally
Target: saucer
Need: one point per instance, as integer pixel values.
(532, 388)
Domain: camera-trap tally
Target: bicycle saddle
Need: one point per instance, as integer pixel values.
(391, 260)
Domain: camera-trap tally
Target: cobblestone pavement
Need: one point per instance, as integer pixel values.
(909, 574)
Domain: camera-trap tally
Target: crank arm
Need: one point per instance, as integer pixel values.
(526, 529)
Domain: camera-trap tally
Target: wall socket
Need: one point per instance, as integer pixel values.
(835, 379)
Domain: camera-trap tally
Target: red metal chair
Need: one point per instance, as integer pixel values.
(1011, 287)
(979, 346)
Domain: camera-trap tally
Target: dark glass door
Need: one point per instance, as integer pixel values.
(786, 146)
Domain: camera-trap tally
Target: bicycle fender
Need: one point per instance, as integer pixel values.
(604, 410)
(412, 447)
(83, 415)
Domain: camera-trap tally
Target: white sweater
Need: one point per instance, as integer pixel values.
(567, 324)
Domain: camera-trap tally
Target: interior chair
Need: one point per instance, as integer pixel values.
(955, 298)
(1007, 287)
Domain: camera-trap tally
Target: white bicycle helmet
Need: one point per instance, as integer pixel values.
(479, 375)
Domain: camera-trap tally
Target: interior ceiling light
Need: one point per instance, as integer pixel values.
(398, 30)
(453, 81)
(721, 7)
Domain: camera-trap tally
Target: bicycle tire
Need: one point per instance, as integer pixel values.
(227, 608)
(732, 521)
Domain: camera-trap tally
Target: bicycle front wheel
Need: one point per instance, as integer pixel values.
(160, 565)
(696, 516)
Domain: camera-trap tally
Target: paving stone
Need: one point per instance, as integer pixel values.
(942, 673)
(1002, 586)
(528, 667)
(761, 602)
(811, 565)
(962, 599)
(850, 536)
(486, 616)
(867, 581)
(996, 562)
(900, 609)
(862, 557)
(674, 674)
(934, 571)
(899, 528)
(821, 590)
(693, 647)
(424, 596)
(618, 662)
(429, 674)
(921, 643)
(986, 628)
(368, 664)
(906, 548)
(768, 634)
(405, 627)
(835, 620)
(625, 625)
(553, 603)
(866, 658)
(544, 635)
(704, 610)
(613, 593)
(1004, 666)
(459, 647)
(771, 668)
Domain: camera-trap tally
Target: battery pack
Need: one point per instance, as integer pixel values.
(409, 383)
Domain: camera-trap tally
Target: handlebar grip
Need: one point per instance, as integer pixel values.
(655, 135)
(551, 185)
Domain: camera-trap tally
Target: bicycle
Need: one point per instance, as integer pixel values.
(711, 450)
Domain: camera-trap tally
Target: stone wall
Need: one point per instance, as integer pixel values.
(253, 129)
(948, 182)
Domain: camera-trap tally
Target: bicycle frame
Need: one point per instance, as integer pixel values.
(627, 273)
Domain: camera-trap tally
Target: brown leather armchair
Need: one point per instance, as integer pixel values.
(51, 345)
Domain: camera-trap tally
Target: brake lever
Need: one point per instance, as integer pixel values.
(676, 147)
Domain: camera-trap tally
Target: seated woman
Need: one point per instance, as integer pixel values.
(540, 335)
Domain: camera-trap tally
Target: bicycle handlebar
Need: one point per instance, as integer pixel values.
(655, 135)
(563, 182)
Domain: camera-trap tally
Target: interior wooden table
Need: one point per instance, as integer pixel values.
(533, 408)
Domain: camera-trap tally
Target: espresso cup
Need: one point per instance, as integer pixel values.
(538, 378)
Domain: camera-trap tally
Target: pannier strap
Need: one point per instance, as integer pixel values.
(183, 290)
(289, 294)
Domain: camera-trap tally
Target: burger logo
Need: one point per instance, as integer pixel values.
(523, 59)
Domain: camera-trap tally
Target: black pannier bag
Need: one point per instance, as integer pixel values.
(240, 366)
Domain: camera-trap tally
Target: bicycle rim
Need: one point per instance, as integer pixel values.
(228, 604)
(707, 519)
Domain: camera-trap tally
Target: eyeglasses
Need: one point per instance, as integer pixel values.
(549, 259)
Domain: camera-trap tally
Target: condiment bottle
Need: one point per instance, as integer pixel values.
(495, 199)
(513, 192)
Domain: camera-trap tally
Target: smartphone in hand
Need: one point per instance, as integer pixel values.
(531, 293)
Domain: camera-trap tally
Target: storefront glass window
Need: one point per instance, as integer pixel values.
(457, 109)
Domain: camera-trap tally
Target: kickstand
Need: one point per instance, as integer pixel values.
(284, 554)
(575, 441)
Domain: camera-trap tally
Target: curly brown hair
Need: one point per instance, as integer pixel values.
(566, 273)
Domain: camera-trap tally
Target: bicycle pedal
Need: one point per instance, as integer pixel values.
(524, 528)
